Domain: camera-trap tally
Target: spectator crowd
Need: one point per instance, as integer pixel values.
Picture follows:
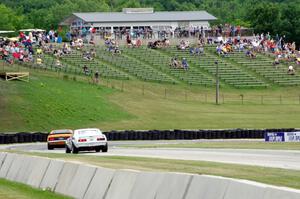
(227, 38)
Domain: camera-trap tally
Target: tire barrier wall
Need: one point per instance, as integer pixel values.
(90, 182)
(24, 137)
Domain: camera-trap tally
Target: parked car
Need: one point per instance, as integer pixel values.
(57, 138)
(86, 140)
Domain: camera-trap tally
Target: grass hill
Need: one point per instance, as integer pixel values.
(54, 100)
(46, 102)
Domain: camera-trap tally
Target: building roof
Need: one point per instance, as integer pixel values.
(93, 17)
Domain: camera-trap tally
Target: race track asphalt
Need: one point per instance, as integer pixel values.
(285, 159)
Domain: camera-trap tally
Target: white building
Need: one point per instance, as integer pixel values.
(139, 18)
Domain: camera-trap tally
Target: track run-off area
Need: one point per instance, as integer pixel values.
(284, 159)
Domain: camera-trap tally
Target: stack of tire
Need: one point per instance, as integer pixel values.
(26, 137)
(23, 137)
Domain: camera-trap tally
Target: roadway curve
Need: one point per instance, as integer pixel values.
(268, 158)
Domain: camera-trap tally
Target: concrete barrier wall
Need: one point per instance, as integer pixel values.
(208, 187)
(122, 184)
(25, 169)
(38, 171)
(173, 186)
(246, 190)
(89, 182)
(146, 185)
(99, 184)
(7, 164)
(52, 174)
(15, 166)
(2, 158)
(80, 181)
(66, 178)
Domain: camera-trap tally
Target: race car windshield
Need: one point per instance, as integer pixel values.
(88, 132)
(61, 132)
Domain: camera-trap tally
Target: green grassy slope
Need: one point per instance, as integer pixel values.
(13, 190)
(46, 103)
(49, 102)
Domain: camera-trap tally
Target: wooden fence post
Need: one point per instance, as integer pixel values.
(280, 99)
(242, 98)
(223, 98)
(143, 89)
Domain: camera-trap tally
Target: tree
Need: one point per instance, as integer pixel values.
(274, 16)
(289, 24)
(11, 20)
(264, 17)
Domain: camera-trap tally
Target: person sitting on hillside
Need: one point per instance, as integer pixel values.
(30, 58)
(138, 43)
(96, 77)
(107, 42)
(250, 54)
(110, 47)
(39, 51)
(57, 63)
(151, 45)
(276, 62)
(224, 51)
(10, 59)
(93, 53)
(197, 51)
(58, 53)
(92, 40)
(78, 43)
(201, 49)
(240, 47)
(85, 70)
(184, 63)
(165, 43)
(298, 61)
(128, 40)
(87, 56)
(55, 52)
(228, 48)
(183, 45)
(192, 50)
(46, 49)
(174, 63)
(171, 64)
(66, 49)
(291, 70)
(117, 51)
(219, 49)
(39, 60)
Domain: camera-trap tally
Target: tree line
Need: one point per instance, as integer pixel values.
(275, 16)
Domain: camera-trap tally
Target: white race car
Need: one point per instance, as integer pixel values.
(86, 140)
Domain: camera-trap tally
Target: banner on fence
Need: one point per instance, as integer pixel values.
(283, 137)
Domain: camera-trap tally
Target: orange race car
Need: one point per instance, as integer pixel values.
(57, 138)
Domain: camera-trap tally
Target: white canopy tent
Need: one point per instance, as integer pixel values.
(6, 31)
(32, 30)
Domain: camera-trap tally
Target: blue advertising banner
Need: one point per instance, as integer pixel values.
(274, 137)
(292, 137)
(283, 137)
